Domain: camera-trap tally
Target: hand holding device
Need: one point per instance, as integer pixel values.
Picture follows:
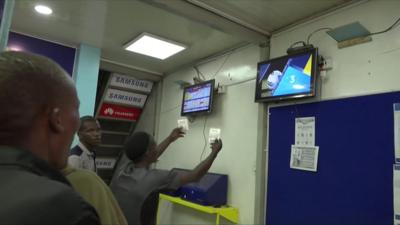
(175, 134)
(216, 146)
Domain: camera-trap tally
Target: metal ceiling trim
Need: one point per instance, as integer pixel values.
(229, 17)
(209, 58)
(317, 16)
(210, 19)
(69, 45)
(140, 73)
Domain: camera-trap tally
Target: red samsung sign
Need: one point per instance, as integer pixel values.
(119, 112)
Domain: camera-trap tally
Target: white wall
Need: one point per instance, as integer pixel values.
(235, 113)
(361, 69)
(358, 70)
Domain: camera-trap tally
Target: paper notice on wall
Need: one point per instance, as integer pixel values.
(396, 194)
(396, 113)
(304, 158)
(305, 131)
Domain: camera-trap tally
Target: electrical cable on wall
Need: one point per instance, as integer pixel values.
(199, 73)
(222, 65)
(307, 44)
(201, 76)
(395, 24)
(205, 120)
(315, 31)
(205, 139)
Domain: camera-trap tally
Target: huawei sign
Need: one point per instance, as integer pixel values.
(109, 111)
(119, 112)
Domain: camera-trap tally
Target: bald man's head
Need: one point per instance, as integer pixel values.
(36, 96)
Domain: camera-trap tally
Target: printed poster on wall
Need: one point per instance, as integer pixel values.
(396, 193)
(396, 113)
(304, 158)
(124, 81)
(119, 112)
(125, 97)
(305, 131)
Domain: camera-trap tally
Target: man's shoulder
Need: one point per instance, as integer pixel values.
(55, 191)
(157, 177)
(64, 202)
(76, 151)
(159, 172)
(44, 200)
(84, 175)
(88, 184)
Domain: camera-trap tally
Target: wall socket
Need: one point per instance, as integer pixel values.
(328, 64)
(221, 89)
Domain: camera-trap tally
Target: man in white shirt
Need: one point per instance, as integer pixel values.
(83, 155)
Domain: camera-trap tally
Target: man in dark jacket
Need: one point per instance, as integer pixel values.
(38, 118)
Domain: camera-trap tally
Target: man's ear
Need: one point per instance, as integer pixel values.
(55, 121)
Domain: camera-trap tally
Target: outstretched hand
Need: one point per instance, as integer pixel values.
(216, 145)
(175, 134)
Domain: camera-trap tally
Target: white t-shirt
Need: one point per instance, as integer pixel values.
(82, 158)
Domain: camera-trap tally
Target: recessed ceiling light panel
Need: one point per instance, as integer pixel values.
(42, 9)
(154, 46)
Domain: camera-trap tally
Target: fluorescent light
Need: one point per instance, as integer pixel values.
(42, 9)
(151, 45)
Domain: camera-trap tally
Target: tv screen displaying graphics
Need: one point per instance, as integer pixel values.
(287, 77)
(198, 98)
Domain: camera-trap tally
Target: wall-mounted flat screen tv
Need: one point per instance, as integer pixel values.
(287, 77)
(198, 98)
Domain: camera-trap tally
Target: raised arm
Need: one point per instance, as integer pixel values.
(200, 170)
(175, 134)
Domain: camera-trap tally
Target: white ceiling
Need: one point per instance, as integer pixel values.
(206, 26)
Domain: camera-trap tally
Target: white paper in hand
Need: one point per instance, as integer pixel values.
(215, 133)
(183, 124)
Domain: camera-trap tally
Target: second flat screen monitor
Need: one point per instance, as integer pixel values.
(198, 98)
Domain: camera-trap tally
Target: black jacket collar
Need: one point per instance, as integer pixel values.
(16, 157)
